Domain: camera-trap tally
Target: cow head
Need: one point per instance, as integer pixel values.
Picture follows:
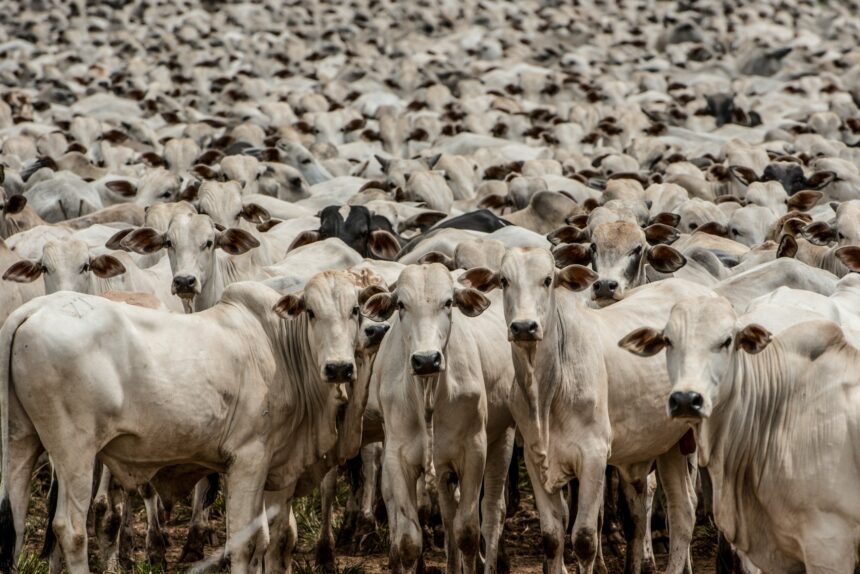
(190, 241)
(368, 234)
(330, 303)
(529, 278)
(65, 266)
(700, 339)
(223, 203)
(425, 299)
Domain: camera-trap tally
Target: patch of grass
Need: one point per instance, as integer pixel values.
(308, 567)
(30, 563)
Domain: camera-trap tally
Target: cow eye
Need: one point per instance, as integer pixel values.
(168, 243)
(667, 341)
(449, 303)
(85, 267)
(166, 194)
(735, 232)
(841, 235)
(355, 311)
(401, 306)
(311, 314)
(306, 161)
(636, 250)
(694, 225)
(503, 282)
(547, 281)
(726, 343)
(209, 244)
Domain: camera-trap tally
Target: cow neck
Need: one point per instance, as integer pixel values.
(225, 270)
(742, 431)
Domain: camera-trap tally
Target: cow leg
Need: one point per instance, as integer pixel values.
(109, 527)
(247, 527)
(75, 478)
(634, 485)
(467, 524)
(156, 538)
(325, 542)
(493, 504)
(23, 450)
(370, 466)
(283, 534)
(512, 491)
(199, 533)
(400, 496)
(553, 516)
(448, 507)
(586, 536)
(679, 486)
(828, 545)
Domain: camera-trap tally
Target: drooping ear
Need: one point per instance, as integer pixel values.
(267, 225)
(304, 238)
(729, 198)
(190, 192)
(743, 175)
(115, 241)
(144, 240)
(793, 226)
(850, 257)
(819, 233)
(383, 245)
(568, 234)
(480, 278)
(380, 306)
(471, 302)
(423, 220)
(25, 271)
(804, 200)
(666, 218)
(385, 163)
(645, 342)
(15, 204)
(660, 233)
(122, 187)
(432, 160)
(572, 254)
(494, 201)
(821, 179)
(254, 213)
(753, 339)
(219, 227)
(290, 305)
(787, 247)
(579, 221)
(106, 266)
(437, 257)
(714, 228)
(575, 277)
(590, 204)
(236, 241)
(370, 291)
(665, 259)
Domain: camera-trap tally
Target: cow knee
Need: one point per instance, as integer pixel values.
(468, 540)
(550, 545)
(585, 544)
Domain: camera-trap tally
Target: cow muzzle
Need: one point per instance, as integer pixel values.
(339, 372)
(686, 405)
(429, 363)
(374, 334)
(185, 286)
(524, 331)
(605, 292)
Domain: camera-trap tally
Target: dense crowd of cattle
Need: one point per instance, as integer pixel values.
(257, 241)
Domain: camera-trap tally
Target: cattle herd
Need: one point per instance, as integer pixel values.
(247, 244)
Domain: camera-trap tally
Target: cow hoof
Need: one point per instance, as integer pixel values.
(156, 548)
(195, 544)
(503, 563)
(348, 530)
(324, 556)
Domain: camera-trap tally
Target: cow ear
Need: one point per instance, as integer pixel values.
(15, 204)
(729, 198)
(568, 234)
(572, 254)
(423, 220)
(289, 305)
(190, 192)
(579, 221)
(819, 233)
(144, 240)
(850, 257)
(804, 200)
(795, 225)
(304, 238)
(237, 241)
(25, 271)
(370, 291)
(645, 342)
(821, 179)
(753, 339)
(432, 160)
(494, 201)
(115, 241)
(122, 187)
(385, 163)
(107, 266)
(666, 259)
(714, 228)
(590, 204)
(267, 225)
(666, 218)
(383, 245)
(254, 213)
(379, 307)
(743, 175)
(660, 233)
(437, 257)
(787, 247)
(575, 277)
(471, 302)
(480, 278)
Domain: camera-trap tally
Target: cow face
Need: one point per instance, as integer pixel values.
(330, 302)
(424, 301)
(223, 203)
(66, 266)
(528, 277)
(190, 241)
(369, 235)
(700, 340)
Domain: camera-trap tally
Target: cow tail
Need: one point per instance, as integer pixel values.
(7, 522)
(50, 541)
(212, 483)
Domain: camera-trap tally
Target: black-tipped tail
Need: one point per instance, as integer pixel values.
(7, 536)
(50, 538)
(212, 490)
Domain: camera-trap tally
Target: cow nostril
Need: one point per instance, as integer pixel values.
(612, 285)
(338, 372)
(426, 363)
(697, 401)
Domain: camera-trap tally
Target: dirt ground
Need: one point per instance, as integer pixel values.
(522, 538)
